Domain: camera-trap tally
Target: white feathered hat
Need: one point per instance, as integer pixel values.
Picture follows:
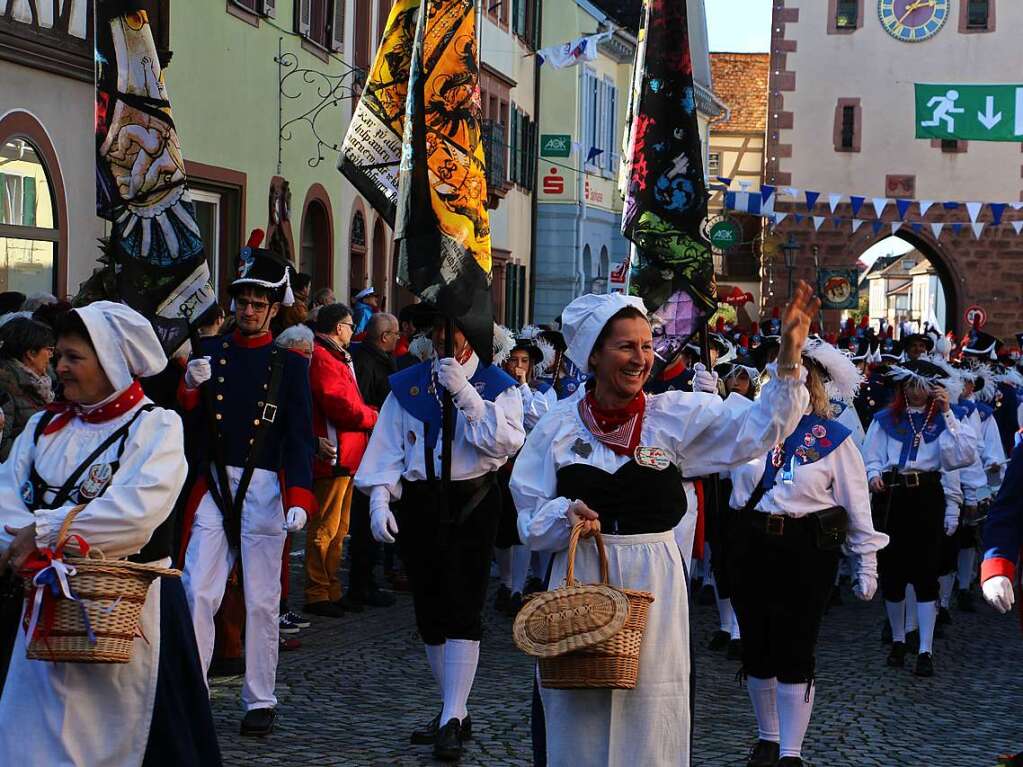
(842, 378)
(927, 373)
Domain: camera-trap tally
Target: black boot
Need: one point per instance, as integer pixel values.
(763, 754)
(897, 655)
(258, 722)
(719, 641)
(924, 665)
(448, 746)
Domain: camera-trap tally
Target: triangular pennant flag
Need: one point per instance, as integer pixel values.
(950, 205)
(917, 227)
(766, 192)
(1016, 205)
(876, 226)
(857, 203)
(925, 206)
(957, 228)
(744, 185)
(725, 181)
(880, 203)
(895, 226)
(791, 191)
(766, 206)
(817, 221)
(902, 205)
(997, 210)
(977, 229)
(973, 208)
(856, 224)
(936, 230)
(779, 217)
(797, 217)
(836, 221)
(811, 199)
(1017, 226)
(833, 200)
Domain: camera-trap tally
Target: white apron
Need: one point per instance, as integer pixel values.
(650, 725)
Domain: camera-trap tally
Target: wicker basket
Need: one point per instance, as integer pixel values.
(112, 592)
(585, 636)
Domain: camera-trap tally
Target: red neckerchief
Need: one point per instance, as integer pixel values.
(68, 411)
(617, 428)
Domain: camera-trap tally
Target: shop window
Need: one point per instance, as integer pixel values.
(847, 14)
(29, 227)
(357, 253)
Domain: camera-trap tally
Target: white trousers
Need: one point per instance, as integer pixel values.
(208, 562)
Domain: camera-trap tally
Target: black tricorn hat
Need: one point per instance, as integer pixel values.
(261, 268)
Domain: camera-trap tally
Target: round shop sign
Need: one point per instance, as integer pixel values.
(976, 314)
(725, 234)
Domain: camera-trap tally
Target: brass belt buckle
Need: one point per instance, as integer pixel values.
(269, 412)
(911, 480)
(775, 524)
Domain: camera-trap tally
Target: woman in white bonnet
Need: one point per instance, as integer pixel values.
(612, 458)
(107, 447)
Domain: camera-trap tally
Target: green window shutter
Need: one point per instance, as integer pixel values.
(28, 198)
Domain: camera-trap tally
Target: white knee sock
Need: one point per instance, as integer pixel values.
(435, 655)
(504, 566)
(765, 706)
(911, 624)
(897, 618)
(726, 617)
(461, 657)
(928, 614)
(945, 585)
(967, 561)
(520, 556)
(794, 711)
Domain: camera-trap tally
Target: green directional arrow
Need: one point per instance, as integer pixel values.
(971, 112)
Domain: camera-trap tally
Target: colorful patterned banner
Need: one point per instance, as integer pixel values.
(442, 223)
(372, 147)
(154, 259)
(662, 178)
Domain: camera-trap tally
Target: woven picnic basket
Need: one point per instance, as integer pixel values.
(111, 591)
(585, 636)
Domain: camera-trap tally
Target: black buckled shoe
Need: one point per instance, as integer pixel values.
(897, 655)
(763, 754)
(258, 722)
(790, 761)
(719, 641)
(924, 665)
(427, 736)
(448, 746)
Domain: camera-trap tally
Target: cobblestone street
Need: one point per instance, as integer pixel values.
(360, 684)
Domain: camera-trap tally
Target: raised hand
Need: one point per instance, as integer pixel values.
(795, 327)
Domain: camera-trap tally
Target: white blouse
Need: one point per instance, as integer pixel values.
(838, 479)
(486, 435)
(701, 433)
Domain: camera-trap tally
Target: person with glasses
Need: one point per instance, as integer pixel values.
(342, 423)
(257, 411)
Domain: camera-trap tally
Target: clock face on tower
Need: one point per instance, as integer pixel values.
(912, 20)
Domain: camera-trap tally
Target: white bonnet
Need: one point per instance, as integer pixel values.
(584, 318)
(125, 342)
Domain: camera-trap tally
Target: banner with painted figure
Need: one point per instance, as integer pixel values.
(662, 183)
(441, 223)
(154, 259)
(838, 288)
(371, 150)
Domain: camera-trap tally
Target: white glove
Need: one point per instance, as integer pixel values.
(704, 381)
(865, 586)
(198, 372)
(382, 524)
(451, 375)
(295, 519)
(951, 524)
(998, 593)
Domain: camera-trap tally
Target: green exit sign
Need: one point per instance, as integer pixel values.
(555, 145)
(970, 112)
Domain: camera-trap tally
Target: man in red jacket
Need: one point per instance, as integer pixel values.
(344, 421)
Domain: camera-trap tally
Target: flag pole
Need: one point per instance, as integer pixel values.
(447, 432)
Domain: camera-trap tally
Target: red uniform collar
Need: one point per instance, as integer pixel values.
(68, 411)
(252, 342)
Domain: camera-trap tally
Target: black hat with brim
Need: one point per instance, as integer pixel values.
(927, 340)
(266, 270)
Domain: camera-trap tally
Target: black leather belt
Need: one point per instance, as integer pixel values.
(776, 525)
(911, 478)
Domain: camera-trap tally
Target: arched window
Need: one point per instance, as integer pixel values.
(357, 253)
(314, 258)
(29, 221)
(603, 266)
(587, 270)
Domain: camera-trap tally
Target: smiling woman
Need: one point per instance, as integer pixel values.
(612, 458)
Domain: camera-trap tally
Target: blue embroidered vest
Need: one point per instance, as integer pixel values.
(813, 439)
(415, 391)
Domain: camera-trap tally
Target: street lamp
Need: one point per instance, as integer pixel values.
(789, 251)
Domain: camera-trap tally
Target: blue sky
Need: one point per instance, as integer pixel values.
(741, 26)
